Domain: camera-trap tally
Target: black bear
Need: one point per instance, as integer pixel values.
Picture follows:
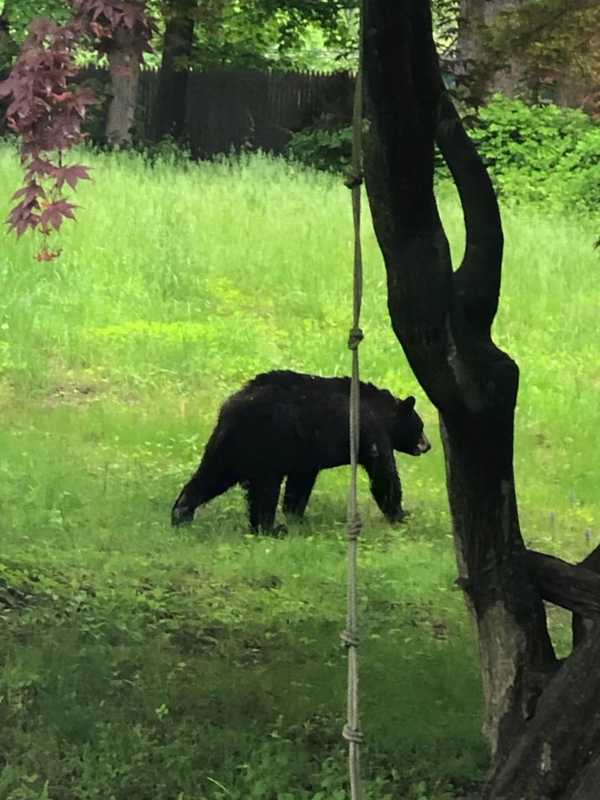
(285, 423)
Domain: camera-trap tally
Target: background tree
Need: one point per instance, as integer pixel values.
(8, 46)
(119, 30)
(179, 19)
(122, 30)
(542, 720)
(535, 48)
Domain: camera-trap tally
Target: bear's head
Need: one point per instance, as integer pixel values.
(408, 435)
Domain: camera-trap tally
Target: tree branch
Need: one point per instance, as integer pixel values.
(477, 280)
(583, 626)
(401, 79)
(575, 588)
(592, 561)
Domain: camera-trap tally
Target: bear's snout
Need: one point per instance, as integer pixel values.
(423, 445)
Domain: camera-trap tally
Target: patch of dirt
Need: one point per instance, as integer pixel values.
(75, 393)
(82, 393)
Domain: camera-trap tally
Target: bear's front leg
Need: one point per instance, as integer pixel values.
(385, 483)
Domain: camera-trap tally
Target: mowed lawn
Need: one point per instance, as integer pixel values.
(141, 662)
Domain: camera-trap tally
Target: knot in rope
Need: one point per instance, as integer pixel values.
(349, 639)
(353, 180)
(352, 734)
(355, 337)
(354, 527)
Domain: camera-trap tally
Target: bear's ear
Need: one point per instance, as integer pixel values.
(409, 403)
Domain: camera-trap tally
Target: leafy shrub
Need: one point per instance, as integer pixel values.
(510, 134)
(328, 149)
(580, 173)
(540, 153)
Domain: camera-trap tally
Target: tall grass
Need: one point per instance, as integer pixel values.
(145, 662)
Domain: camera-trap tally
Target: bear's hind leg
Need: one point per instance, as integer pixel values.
(298, 488)
(262, 496)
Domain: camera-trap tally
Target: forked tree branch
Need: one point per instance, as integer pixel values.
(401, 93)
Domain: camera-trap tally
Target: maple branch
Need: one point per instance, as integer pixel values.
(46, 110)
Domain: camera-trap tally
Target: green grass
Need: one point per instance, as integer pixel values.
(139, 662)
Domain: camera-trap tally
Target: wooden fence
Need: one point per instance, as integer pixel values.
(229, 109)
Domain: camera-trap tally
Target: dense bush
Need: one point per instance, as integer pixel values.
(536, 153)
(540, 153)
(328, 149)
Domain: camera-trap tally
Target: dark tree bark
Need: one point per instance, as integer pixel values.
(535, 704)
(178, 42)
(584, 624)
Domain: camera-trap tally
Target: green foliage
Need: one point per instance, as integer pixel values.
(540, 153)
(298, 34)
(322, 148)
(204, 664)
(20, 13)
(17, 16)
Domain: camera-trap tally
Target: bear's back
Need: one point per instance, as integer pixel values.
(305, 393)
(298, 382)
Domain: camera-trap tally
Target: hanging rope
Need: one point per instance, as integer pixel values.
(352, 732)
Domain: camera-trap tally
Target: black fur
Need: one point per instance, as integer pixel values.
(286, 423)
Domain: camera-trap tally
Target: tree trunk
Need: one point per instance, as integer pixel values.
(535, 705)
(481, 66)
(124, 53)
(515, 651)
(511, 46)
(170, 106)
